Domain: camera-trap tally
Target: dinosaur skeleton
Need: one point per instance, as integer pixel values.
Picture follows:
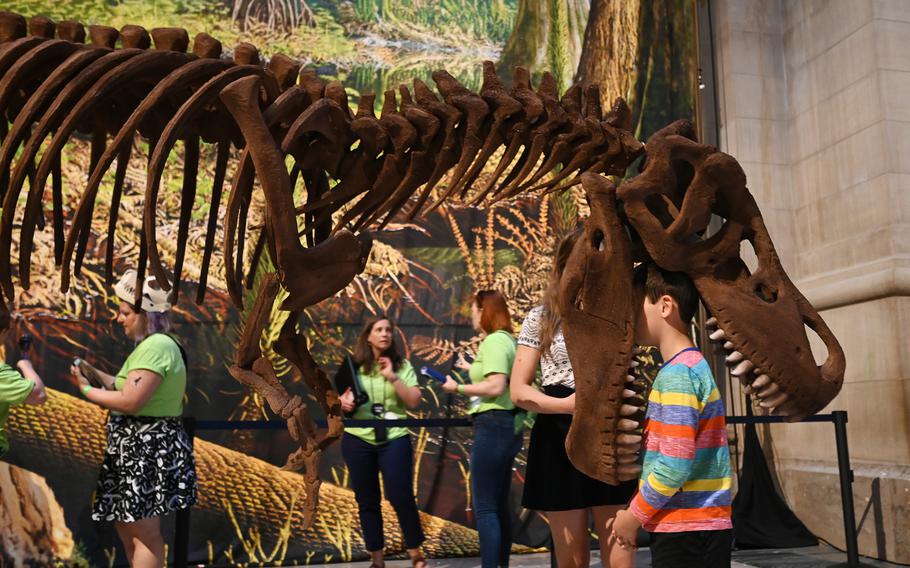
(390, 167)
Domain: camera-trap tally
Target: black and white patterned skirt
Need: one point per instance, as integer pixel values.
(148, 469)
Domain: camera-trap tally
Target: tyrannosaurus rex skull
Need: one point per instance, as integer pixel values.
(762, 314)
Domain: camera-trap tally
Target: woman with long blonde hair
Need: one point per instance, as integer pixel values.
(568, 498)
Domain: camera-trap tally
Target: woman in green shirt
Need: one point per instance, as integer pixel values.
(496, 438)
(391, 384)
(148, 468)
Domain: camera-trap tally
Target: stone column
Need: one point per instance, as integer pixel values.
(814, 101)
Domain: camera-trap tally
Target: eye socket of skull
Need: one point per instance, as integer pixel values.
(765, 292)
(598, 241)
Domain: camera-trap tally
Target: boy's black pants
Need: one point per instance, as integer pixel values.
(695, 549)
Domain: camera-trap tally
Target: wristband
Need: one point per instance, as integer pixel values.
(85, 389)
(393, 380)
(460, 389)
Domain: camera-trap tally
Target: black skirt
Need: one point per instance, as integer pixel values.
(551, 481)
(148, 469)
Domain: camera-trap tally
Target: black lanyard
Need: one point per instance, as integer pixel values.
(373, 392)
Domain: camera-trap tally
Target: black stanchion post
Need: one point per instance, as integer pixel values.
(846, 489)
(554, 563)
(182, 524)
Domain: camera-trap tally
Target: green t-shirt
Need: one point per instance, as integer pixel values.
(159, 354)
(14, 389)
(495, 356)
(382, 391)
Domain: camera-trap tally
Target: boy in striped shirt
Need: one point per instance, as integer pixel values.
(684, 493)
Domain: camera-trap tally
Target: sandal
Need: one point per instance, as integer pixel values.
(419, 561)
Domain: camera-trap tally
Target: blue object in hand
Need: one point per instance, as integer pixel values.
(432, 373)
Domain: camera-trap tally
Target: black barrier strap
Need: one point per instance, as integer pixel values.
(462, 422)
(777, 419)
(371, 423)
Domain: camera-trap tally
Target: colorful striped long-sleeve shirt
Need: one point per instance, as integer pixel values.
(686, 475)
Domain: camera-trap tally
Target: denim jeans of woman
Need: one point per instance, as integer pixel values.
(492, 455)
(395, 460)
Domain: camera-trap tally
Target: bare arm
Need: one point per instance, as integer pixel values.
(106, 379)
(38, 394)
(137, 391)
(525, 395)
(409, 395)
(493, 385)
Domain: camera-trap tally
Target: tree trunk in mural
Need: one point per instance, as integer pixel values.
(636, 50)
(664, 89)
(610, 48)
(547, 36)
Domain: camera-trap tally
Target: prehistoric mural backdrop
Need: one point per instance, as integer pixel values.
(422, 274)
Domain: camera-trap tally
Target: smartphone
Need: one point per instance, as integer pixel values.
(432, 373)
(89, 373)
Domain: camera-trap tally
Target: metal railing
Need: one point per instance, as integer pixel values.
(838, 418)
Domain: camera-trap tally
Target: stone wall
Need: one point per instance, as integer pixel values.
(814, 100)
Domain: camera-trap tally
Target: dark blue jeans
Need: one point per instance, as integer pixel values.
(494, 450)
(395, 460)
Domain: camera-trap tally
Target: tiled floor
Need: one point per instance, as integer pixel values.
(816, 557)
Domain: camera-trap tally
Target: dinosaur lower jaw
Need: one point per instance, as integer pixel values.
(604, 441)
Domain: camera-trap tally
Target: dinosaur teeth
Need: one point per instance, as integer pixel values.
(773, 403)
(735, 357)
(628, 410)
(771, 389)
(728, 346)
(628, 439)
(628, 471)
(761, 381)
(627, 425)
(718, 335)
(742, 368)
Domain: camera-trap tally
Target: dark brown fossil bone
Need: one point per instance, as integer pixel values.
(50, 120)
(310, 275)
(762, 313)
(144, 70)
(71, 31)
(41, 26)
(597, 309)
(12, 26)
(103, 36)
(184, 116)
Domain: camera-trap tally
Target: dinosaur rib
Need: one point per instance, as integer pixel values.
(49, 122)
(205, 95)
(36, 105)
(221, 163)
(165, 92)
(149, 67)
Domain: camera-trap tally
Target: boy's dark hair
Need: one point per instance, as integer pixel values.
(655, 282)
